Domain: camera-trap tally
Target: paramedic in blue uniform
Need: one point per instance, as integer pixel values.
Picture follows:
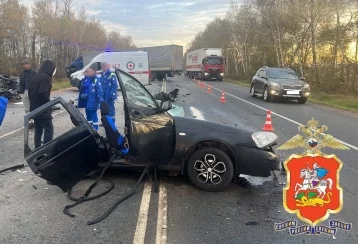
(110, 86)
(91, 94)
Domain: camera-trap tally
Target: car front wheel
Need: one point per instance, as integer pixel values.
(266, 95)
(252, 90)
(302, 100)
(210, 169)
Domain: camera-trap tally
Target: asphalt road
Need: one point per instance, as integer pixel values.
(31, 210)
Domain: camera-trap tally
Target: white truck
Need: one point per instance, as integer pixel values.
(205, 63)
(163, 60)
(135, 63)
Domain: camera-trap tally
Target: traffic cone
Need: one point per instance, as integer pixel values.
(268, 123)
(203, 85)
(209, 89)
(198, 83)
(223, 99)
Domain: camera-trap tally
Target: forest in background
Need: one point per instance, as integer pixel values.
(316, 38)
(51, 29)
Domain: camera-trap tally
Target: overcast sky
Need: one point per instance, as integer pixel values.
(154, 22)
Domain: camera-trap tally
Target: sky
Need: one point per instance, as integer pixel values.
(154, 22)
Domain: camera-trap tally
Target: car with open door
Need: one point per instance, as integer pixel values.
(210, 153)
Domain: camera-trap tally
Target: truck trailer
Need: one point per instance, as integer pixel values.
(163, 60)
(205, 64)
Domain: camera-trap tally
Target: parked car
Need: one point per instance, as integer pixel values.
(211, 153)
(274, 83)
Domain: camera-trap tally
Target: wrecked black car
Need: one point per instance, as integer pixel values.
(210, 153)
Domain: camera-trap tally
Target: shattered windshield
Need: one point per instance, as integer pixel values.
(136, 93)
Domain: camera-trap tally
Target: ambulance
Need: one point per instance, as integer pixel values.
(134, 63)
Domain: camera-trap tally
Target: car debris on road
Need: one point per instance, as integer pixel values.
(9, 87)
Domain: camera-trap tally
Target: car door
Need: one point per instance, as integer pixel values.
(151, 132)
(73, 152)
(258, 81)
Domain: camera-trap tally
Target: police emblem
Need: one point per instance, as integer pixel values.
(312, 191)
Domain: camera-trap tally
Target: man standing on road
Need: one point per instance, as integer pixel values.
(90, 96)
(25, 76)
(39, 93)
(110, 86)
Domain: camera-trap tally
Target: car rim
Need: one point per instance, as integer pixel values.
(265, 94)
(209, 169)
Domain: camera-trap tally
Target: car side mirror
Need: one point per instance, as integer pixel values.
(165, 106)
(263, 77)
(302, 78)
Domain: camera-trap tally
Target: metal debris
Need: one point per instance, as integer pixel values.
(9, 87)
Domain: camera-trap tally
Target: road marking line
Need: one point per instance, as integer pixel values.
(17, 130)
(197, 114)
(279, 115)
(161, 237)
(139, 235)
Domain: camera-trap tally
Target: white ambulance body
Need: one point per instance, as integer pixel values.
(134, 63)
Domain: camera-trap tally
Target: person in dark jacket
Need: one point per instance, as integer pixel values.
(25, 83)
(39, 93)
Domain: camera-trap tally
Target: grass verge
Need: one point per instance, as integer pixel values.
(344, 102)
(61, 83)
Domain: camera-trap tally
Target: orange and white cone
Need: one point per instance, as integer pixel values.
(203, 85)
(198, 83)
(209, 89)
(223, 99)
(268, 122)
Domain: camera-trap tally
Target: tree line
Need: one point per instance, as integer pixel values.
(316, 38)
(50, 29)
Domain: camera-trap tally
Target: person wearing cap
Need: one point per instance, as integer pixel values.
(25, 76)
(110, 86)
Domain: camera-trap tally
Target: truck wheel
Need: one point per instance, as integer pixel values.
(210, 169)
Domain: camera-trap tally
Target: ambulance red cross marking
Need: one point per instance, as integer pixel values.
(130, 65)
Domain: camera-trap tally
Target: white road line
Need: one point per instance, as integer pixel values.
(197, 114)
(17, 130)
(139, 235)
(161, 237)
(279, 115)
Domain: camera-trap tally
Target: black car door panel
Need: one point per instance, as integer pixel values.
(151, 134)
(68, 158)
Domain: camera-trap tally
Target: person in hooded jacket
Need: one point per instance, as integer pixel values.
(90, 96)
(39, 94)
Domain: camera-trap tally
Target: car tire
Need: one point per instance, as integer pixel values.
(210, 179)
(302, 100)
(266, 96)
(220, 79)
(252, 91)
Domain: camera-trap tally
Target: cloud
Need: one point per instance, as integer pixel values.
(155, 22)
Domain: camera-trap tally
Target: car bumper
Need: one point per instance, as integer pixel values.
(75, 82)
(286, 93)
(213, 76)
(256, 162)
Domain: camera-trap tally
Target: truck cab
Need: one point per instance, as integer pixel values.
(213, 68)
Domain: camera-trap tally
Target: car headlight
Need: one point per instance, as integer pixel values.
(206, 73)
(274, 84)
(306, 86)
(221, 74)
(264, 139)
